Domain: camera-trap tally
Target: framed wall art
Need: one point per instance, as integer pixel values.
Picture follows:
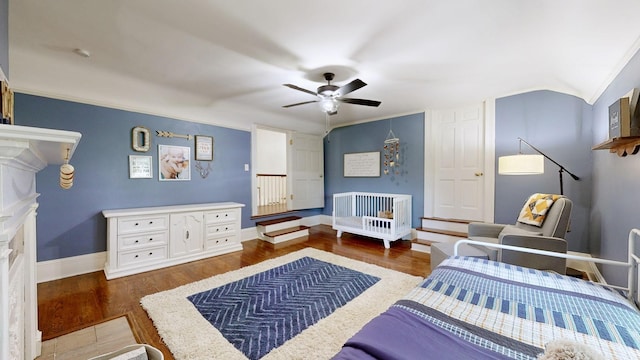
(140, 167)
(173, 163)
(364, 164)
(204, 148)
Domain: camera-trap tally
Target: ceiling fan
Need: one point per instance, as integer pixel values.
(330, 95)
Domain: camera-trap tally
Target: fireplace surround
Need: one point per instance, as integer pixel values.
(23, 152)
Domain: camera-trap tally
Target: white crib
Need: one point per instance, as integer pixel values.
(380, 216)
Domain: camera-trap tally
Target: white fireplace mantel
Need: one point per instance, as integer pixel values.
(23, 152)
(36, 147)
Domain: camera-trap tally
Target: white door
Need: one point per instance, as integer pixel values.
(305, 171)
(459, 175)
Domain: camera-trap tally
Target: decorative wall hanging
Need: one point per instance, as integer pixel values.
(140, 139)
(66, 173)
(204, 172)
(173, 163)
(6, 103)
(140, 167)
(204, 148)
(391, 153)
(169, 134)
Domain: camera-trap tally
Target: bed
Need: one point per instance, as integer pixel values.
(471, 308)
(381, 216)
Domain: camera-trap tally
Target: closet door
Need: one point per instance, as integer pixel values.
(459, 164)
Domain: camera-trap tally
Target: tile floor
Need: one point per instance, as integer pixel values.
(89, 342)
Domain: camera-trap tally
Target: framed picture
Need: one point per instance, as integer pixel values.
(204, 148)
(364, 164)
(173, 163)
(140, 167)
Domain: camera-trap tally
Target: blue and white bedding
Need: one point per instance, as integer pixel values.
(471, 308)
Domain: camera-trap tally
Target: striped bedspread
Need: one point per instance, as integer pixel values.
(501, 311)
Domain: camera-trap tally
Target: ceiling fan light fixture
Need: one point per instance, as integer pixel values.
(329, 105)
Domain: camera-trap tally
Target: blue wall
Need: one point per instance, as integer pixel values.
(615, 182)
(70, 222)
(4, 36)
(560, 126)
(368, 137)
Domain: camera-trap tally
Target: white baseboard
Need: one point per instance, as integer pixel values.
(316, 220)
(70, 266)
(249, 234)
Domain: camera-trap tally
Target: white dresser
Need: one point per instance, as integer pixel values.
(144, 239)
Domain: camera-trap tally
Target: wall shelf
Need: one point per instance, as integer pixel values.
(622, 146)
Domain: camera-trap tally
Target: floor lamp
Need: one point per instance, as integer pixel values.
(524, 164)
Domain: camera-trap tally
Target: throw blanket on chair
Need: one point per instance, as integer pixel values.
(535, 209)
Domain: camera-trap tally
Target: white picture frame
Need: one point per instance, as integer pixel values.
(174, 163)
(140, 167)
(363, 164)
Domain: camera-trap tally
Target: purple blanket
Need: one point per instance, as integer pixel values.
(397, 334)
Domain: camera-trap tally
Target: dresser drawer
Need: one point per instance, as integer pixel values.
(146, 239)
(212, 243)
(219, 229)
(142, 256)
(131, 225)
(220, 216)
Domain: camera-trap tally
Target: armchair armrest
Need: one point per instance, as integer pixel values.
(541, 262)
(485, 230)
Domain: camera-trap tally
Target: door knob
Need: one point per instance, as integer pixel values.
(478, 174)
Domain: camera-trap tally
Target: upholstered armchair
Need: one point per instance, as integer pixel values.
(548, 236)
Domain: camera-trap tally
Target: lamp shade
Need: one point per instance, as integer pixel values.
(521, 164)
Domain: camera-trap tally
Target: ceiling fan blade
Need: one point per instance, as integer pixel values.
(350, 87)
(360, 101)
(300, 89)
(301, 103)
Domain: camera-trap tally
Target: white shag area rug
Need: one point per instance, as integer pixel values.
(190, 336)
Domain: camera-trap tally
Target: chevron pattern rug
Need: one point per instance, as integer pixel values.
(282, 307)
(262, 311)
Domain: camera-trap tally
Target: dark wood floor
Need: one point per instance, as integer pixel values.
(73, 303)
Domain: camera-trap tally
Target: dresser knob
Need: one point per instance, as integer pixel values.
(150, 253)
(136, 256)
(150, 222)
(137, 241)
(136, 224)
(150, 239)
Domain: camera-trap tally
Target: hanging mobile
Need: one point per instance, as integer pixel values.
(391, 152)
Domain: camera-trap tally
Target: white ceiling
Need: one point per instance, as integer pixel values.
(224, 62)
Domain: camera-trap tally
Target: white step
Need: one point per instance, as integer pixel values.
(421, 247)
(270, 226)
(446, 224)
(437, 237)
(283, 235)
